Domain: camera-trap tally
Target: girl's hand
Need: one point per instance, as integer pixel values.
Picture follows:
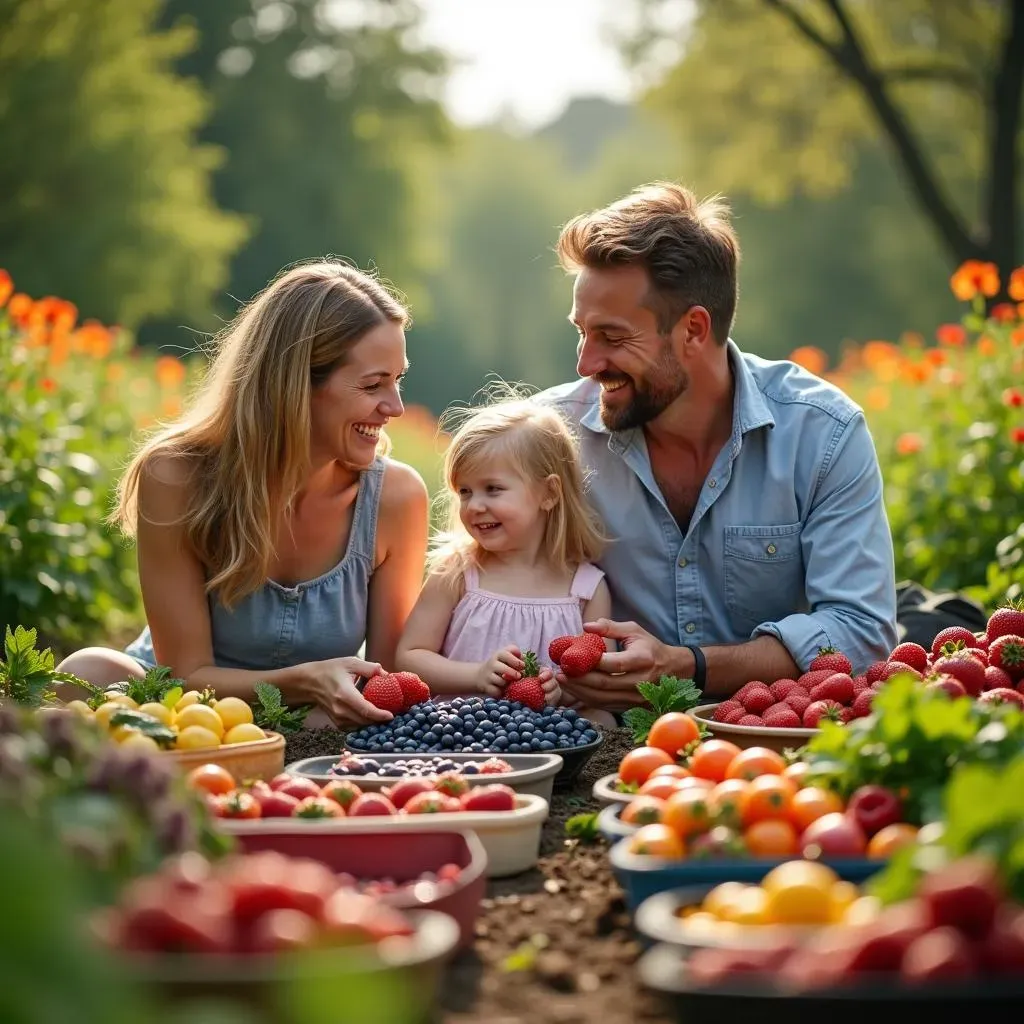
(331, 685)
(549, 684)
(497, 672)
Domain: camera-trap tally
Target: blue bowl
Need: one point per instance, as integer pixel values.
(642, 876)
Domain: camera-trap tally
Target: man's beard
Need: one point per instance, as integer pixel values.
(652, 394)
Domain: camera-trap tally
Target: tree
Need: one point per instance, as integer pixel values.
(104, 190)
(784, 94)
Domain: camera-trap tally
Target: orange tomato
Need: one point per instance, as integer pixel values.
(686, 812)
(211, 778)
(755, 761)
(638, 764)
(656, 841)
(772, 838)
(660, 786)
(672, 771)
(705, 785)
(642, 810)
(810, 804)
(885, 842)
(673, 733)
(711, 759)
(767, 797)
(797, 771)
(725, 801)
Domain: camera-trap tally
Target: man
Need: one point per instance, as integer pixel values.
(744, 496)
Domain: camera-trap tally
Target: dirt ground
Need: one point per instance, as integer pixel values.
(554, 945)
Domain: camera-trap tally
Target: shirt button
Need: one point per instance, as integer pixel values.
(691, 627)
(771, 549)
(712, 482)
(682, 563)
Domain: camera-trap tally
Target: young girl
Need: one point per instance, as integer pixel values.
(513, 571)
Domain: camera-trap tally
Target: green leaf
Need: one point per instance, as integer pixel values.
(639, 721)
(146, 724)
(583, 827)
(668, 694)
(271, 712)
(171, 697)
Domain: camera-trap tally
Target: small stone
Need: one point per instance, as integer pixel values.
(576, 914)
(589, 982)
(552, 886)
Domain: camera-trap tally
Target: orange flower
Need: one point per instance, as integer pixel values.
(93, 339)
(1015, 287)
(1013, 397)
(6, 286)
(877, 353)
(60, 347)
(48, 384)
(909, 444)
(952, 335)
(1004, 312)
(934, 356)
(916, 373)
(115, 372)
(810, 358)
(878, 398)
(987, 346)
(974, 277)
(1017, 337)
(19, 308)
(1017, 435)
(912, 339)
(170, 372)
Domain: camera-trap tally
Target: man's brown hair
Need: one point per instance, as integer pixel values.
(688, 248)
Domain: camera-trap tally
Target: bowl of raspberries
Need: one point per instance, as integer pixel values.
(787, 712)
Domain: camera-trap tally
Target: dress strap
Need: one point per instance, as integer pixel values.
(472, 578)
(585, 582)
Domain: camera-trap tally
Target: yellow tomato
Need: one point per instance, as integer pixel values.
(195, 737)
(80, 708)
(113, 697)
(751, 907)
(137, 741)
(157, 711)
(105, 712)
(233, 711)
(723, 897)
(246, 732)
(800, 872)
(200, 714)
(187, 699)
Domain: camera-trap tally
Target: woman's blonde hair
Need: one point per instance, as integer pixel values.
(245, 438)
(537, 444)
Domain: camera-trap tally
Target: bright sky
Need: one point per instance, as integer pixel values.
(525, 57)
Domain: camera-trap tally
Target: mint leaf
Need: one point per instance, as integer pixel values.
(146, 724)
(582, 827)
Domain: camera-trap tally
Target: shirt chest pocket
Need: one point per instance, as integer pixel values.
(764, 575)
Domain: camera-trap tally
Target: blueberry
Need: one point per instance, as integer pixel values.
(569, 713)
(590, 735)
(562, 728)
(546, 745)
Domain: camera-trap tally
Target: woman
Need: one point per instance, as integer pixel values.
(273, 535)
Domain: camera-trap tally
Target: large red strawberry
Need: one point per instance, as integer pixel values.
(822, 709)
(723, 710)
(489, 798)
(494, 766)
(757, 699)
(1006, 621)
(561, 644)
(838, 687)
(1007, 652)
(528, 689)
(414, 690)
(742, 692)
(384, 691)
(910, 654)
(949, 685)
(875, 670)
(735, 715)
(782, 716)
(798, 700)
(781, 687)
(831, 658)
(1003, 695)
(582, 656)
(862, 704)
(996, 678)
(811, 679)
(952, 635)
(896, 668)
(752, 720)
(964, 667)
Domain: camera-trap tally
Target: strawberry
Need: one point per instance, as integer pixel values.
(838, 687)
(781, 687)
(759, 698)
(384, 691)
(949, 685)
(910, 654)
(451, 784)
(811, 679)
(1002, 695)
(799, 701)
(965, 667)
(860, 684)
(426, 803)
(559, 646)
(875, 670)
(734, 716)
(527, 690)
(895, 668)
(782, 716)
(846, 715)
(582, 656)
(819, 709)
(981, 653)
(725, 708)
(964, 894)
(1007, 652)
(830, 657)
(494, 766)
(995, 678)
(489, 798)
(742, 692)
(862, 704)
(755, 720)
(1006, 621)
(952, 635)
(414, 690)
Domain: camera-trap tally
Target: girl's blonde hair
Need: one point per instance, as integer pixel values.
(245, 438)
(537, 444)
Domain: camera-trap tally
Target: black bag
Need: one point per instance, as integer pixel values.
(921, 614)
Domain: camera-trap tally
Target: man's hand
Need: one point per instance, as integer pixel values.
(642, 658)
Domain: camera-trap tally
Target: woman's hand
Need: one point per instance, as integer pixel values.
(331, 685)
(499, 670)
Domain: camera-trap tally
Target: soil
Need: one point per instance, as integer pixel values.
(554, 944)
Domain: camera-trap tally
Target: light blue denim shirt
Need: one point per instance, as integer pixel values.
(789, 537)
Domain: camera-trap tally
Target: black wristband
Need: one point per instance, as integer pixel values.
(700, 666)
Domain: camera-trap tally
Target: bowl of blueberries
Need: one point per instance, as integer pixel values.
(484, 725)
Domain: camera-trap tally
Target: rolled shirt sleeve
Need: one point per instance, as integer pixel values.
(848, 558)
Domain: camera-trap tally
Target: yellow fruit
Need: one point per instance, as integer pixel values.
(187, 699)
(844, 895)
(246, 732)
(120, 698)
(200, 714)
(138, 741)
(703, 922)
(105, 712)
(723, 897)
(195, 737)
(80, 708)
(157, 711)
(802, 873)
(802, 892)
(233, 711)
(751, 907)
